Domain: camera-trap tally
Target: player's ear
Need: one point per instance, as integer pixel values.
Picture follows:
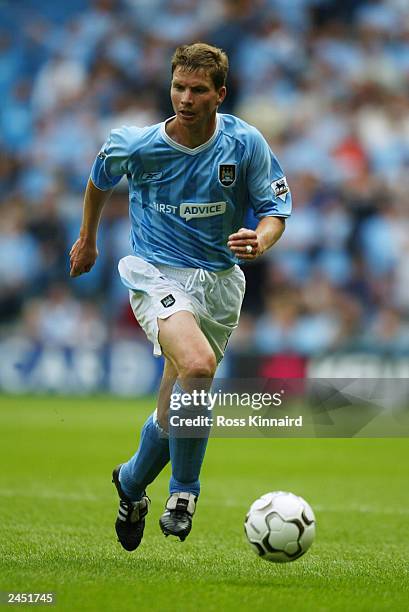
(221, 94)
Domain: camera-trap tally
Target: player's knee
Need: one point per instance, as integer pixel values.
(200, 366)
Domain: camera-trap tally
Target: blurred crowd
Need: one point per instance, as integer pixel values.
(327, 82)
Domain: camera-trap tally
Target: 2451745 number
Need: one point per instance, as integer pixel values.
(29, 598)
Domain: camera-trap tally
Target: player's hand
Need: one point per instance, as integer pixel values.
(82, 257)
(241, 240)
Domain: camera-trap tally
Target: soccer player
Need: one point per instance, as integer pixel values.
(191, 181)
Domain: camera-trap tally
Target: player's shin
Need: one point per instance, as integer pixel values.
(149, 460)
(189, 429)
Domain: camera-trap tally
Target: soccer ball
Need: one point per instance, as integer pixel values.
(280, 526)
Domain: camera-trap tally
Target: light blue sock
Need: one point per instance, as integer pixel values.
(149, 460)
(187, 454)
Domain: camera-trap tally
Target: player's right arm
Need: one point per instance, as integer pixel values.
(84, 251)
(109, 166)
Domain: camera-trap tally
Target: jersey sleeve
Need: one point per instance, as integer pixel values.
(268, 189)
(111, 162)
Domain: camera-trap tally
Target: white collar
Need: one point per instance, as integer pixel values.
(188, 150)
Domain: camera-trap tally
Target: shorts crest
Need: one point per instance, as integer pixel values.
(168, 301)
(227, 174)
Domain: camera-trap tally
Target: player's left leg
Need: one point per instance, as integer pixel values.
(153, 452)
(132, 477)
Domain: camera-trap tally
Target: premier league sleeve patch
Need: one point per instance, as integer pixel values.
(227, 174)
(280, 188)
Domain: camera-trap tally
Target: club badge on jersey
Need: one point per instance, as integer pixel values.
(227, 174)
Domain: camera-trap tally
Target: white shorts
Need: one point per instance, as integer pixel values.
(158, 291)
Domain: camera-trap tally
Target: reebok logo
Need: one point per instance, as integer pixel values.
(151, 176)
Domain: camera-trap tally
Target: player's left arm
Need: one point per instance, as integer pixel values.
(269, 196)
(268, 232)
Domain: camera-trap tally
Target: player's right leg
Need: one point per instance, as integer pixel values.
(185, 345)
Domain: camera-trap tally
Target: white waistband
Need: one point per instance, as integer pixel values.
(184, 273)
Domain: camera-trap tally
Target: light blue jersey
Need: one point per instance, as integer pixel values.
(184, 203)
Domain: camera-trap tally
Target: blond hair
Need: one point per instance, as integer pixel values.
(201, 56)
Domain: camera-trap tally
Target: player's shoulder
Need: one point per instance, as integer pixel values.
(237, 128)
(130, 136)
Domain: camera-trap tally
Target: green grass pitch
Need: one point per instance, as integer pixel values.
(57, 510)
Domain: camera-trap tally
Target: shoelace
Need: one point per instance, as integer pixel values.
(133, 511)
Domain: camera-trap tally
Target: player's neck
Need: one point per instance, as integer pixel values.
(190, 136)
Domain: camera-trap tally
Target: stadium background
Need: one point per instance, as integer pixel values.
(327, 84)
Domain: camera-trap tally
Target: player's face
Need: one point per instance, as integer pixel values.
(194, 97)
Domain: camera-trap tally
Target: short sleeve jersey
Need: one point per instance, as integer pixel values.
(184, 203)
